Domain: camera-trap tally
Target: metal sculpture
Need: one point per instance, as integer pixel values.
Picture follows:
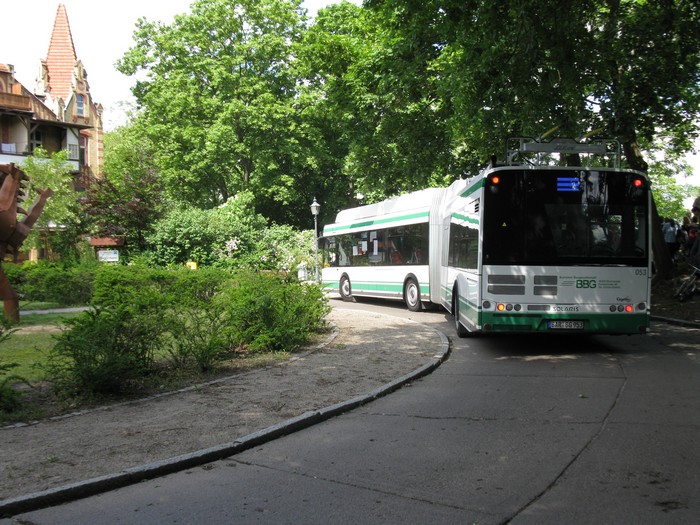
(13, 232)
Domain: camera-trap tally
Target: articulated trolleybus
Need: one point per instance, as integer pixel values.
(523, 247)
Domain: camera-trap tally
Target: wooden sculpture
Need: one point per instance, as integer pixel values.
(13, 232)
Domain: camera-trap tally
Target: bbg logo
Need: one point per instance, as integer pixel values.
(585, 283)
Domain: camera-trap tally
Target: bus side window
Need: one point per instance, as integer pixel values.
(394, 254)
(463, 247)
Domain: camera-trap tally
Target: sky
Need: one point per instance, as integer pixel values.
(102, 32)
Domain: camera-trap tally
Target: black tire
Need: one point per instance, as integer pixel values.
(411, 295)
(345, 289)
(459, 327)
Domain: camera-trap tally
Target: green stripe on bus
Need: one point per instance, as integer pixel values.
(377, 286)
(374, 222)
(479, 184)
(592, 322)
(465, 218)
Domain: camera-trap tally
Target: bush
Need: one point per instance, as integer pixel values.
(206, 236)
(108, 348)
(193, 317)
(274, 312)
(137, 289)
(51, 282)
(197, 319)
(16, 274)
(281, 249)
(104, 351)
(9, 397)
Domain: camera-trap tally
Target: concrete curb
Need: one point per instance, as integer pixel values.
(91, 487)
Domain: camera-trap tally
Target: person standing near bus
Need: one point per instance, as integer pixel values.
(695, 211)
(694, 253)
(670, 230)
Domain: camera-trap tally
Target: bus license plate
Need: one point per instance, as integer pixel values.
(566, 325)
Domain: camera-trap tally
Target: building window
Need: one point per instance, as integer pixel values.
(73, 152)
(35, 140)
(81, 105)
(83, 150)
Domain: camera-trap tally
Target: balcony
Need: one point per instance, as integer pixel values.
(12, 101)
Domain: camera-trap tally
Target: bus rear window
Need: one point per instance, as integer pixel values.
(565, 217)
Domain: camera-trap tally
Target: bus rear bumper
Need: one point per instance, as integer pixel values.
(622, 323)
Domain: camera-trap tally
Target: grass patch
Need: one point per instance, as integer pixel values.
(53, 319)
(30, 351)
(30, 348)
(25, 306)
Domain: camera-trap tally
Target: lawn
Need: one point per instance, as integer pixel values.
(30, 348)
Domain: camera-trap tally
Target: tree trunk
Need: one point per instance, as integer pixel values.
(662, 257)
(9, 297)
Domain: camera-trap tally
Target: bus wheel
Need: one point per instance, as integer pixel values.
(459, 327)
(344, 288)
(411, 295)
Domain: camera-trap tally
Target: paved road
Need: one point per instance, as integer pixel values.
(508, 430)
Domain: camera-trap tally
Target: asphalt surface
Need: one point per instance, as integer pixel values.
(336, 463)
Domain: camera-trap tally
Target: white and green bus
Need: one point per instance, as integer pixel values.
(519, 248)
(384, 250)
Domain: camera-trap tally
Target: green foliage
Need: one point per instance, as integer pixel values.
(233, 138)
(254, 126)
(104, 351)
(392, 97)
(9, 396)
(197, 320)
(271, 312)
(136, 289)
(193, 317)
(128, 198)
(280, 249)
(183, 234)
(15, 273)
(61, 208)
(666, 169)
(52, 282)
(206, 236)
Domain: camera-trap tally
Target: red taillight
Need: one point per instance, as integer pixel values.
(495, 179)
(628, 308)
(638, 183)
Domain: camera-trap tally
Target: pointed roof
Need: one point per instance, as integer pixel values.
(61, 58)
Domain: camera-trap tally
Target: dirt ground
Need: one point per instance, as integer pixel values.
(663, 303)
(365, 352)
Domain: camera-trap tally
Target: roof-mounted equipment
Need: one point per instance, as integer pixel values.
(598, 153)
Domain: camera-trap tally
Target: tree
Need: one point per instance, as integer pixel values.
(61, 217)
(218, 95)
(382, 97)
(128, 198)
(220, 236)
(622, 68)
(627, 68)
(666, 168)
